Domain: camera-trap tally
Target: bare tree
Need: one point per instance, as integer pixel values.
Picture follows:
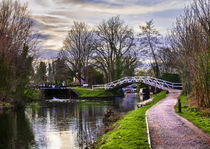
(15, 45)
(77, 49)
(150, 41)
(15, 27)
(190, 48)
(114, 44)
(166, 63)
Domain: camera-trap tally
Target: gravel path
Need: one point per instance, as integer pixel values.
(170, 131)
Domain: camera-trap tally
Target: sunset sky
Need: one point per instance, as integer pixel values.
(53, 18)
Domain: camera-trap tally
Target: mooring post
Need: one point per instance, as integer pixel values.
(179, 105)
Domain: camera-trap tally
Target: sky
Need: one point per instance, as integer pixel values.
(53, 18)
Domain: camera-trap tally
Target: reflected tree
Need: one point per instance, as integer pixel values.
(15, 131)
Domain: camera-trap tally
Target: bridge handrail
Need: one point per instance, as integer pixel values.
(135, 79)
(98, 86)
(165, 81)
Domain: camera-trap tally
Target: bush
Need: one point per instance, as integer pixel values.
(32, 94)
(170, 77)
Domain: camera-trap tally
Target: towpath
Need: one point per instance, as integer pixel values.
(170, 131)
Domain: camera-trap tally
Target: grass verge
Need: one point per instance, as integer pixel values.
(131, 131)
(84, 92)
(193, 115)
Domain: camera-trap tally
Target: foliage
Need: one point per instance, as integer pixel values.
(96, 93)
(141, 85)
(170, 77)
(115, 52)
(201, 79)
(189, 51)
(77, 50)
(32, 94)
(50, 73)
(145, 72)
(61, 72)
(193, 114)
(150, 40)
(34, 106)
(16, 50)
(92, 76)
(41, 74)
(5, 78)
(23, 72)
(131, 131)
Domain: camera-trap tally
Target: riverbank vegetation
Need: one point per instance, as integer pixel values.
(17, 45)
(96, 93)
(131, 131)
(189, 52)
(199, 117)
(32, 94)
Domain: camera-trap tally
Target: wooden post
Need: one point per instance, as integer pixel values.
(179, 105)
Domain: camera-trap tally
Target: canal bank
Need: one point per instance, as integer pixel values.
(85, 93)
(78, 93)
(10, 101)
(131, 131)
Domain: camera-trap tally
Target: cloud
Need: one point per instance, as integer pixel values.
(48, 54)
(53, 18)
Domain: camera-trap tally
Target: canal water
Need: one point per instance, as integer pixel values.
(59, 125)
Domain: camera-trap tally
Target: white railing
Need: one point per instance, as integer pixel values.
(159, 83)
(98, 86)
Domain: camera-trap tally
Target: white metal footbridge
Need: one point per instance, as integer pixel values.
(155, 82)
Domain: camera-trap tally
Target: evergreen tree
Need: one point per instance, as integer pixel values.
(41, 74)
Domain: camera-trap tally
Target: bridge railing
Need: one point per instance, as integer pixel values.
(98, 86)
(135, 79)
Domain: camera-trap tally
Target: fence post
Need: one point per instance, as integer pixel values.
(179, 105)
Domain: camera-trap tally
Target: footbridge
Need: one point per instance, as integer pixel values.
(151, 81)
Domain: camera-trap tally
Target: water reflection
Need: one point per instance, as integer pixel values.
(15, 131)
(59, 125)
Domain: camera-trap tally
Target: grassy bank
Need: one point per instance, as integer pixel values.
(193, 115)
(14, 100)
(131, 131)
(84, 92)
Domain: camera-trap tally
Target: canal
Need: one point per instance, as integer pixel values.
(58, 125)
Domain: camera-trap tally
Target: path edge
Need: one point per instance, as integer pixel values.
(148, 133)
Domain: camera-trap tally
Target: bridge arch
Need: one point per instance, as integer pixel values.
(151, 81)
